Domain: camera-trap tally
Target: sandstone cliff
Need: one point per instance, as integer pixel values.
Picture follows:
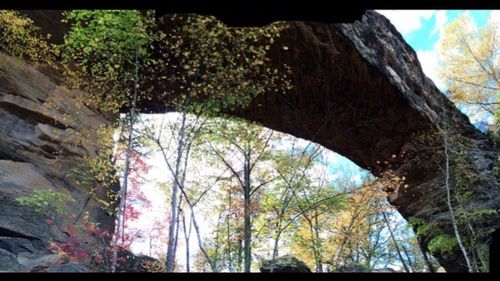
(38, 146)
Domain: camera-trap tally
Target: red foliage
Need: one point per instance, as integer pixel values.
(136, 199)
(156, 237)
(77, 247)
(71, 232)
(78, 250)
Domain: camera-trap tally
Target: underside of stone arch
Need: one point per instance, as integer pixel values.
(359, 90)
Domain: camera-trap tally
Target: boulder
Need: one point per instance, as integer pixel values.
(139, 263)
(285, 263)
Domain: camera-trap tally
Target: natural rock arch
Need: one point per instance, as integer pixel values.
(359, 90)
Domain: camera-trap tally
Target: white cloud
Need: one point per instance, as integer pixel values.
(356, 178)
(333, 177)
(441, 20)
(429, 60)
(495, 19)
(495, 16)
(407, 21)
(331, 157)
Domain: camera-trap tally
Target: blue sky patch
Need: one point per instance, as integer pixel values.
(424, 39)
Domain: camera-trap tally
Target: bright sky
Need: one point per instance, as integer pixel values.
(421, 29)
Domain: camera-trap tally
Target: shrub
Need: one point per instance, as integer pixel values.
(47, 202)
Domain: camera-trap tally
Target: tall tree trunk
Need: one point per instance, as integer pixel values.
(200, 242)
(240, 254)
(169, 263)
(247, 213)
(335, 260)
(448, 201)
(217, 244)
(313, 241)
(187, 236)
(229, 257)
(191, 207)
(275, 247)
(196, 227)
(177, 223)
(123, 192)
(319, 266)
(395, 243)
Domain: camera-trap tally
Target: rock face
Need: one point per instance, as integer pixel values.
(359, 90)
(284, 264)
(39, 121)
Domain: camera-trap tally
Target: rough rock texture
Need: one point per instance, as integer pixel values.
(284, 264)
(38, 145)
(359, 90)
(37, 133)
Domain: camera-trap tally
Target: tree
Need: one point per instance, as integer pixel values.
(20, 39)
(134, 200)
(177, 181)
(279, 203)
(210, 67)
(317, 210)
(351, 224)
(398, 251)
(241, 148)
(448, 201)
(470, 64)
(306, 201)
(108, 46)
(176, 142)
(155, 237)
(417, 256)
(226, 241)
